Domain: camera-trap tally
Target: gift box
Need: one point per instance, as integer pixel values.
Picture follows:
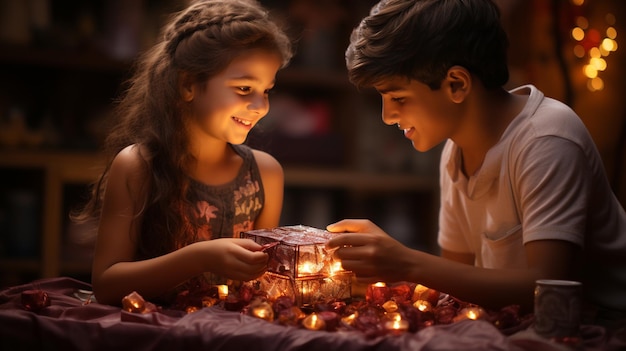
(307, 291)
(300, 266)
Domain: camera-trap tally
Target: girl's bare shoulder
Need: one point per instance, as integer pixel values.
(130, 161)
(267, 162)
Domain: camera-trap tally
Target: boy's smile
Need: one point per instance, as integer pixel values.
(424, 115)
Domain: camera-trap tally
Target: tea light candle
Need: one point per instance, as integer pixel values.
(349, 320)
(313, 322)
(390, 306)
(423, 305)
(263, 311)
(472, 313)
(392, 316)
(397, 327)
(377, 293)
(222, 291)
(134, 302)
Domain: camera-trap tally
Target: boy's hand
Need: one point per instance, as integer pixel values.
(368, 251)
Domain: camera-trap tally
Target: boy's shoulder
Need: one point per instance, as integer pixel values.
(544, 116)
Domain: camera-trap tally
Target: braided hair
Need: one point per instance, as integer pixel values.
(200, 41)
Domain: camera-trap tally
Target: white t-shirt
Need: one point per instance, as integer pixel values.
(544, 179)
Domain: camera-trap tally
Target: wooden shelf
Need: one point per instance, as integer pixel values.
(59, 168)
(59, 58)
(82, 167)
(357, 181)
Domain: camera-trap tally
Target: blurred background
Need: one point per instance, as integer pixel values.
(63, 62)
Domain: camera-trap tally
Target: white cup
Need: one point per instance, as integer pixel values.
(558, 307)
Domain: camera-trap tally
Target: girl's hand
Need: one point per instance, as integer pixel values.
(369, 252)
(233, 258)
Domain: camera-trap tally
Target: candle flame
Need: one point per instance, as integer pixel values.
(349, 319)
(335, 268)
(472, 314)
(313, 322)
(306, 267)
(393, 316)
(422, 305)
(222, 291)
(380, 284)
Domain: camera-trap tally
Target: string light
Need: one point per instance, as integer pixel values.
(593, 46)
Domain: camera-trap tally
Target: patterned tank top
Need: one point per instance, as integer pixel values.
(222, 211)
(226, 210)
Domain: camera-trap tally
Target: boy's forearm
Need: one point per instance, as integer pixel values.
(490, 288)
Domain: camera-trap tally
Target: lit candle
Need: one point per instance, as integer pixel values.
(422, 292)
(134, 302)
(472, 313)
(423, 305)
(313, 322)
(222, 291)
(390, 306)
(349, 320)
(392, 316)
(397, 327)
(263, 311)
(377, 293)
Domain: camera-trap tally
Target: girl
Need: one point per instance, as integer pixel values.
(178, 175)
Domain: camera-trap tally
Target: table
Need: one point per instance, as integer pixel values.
(70, 324)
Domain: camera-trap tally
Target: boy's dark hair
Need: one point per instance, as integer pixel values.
(422, 39)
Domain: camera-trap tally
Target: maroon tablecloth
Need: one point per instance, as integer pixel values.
(70, 324)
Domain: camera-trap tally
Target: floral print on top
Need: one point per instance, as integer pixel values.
(224, 211)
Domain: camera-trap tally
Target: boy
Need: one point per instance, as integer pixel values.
(524, 195)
